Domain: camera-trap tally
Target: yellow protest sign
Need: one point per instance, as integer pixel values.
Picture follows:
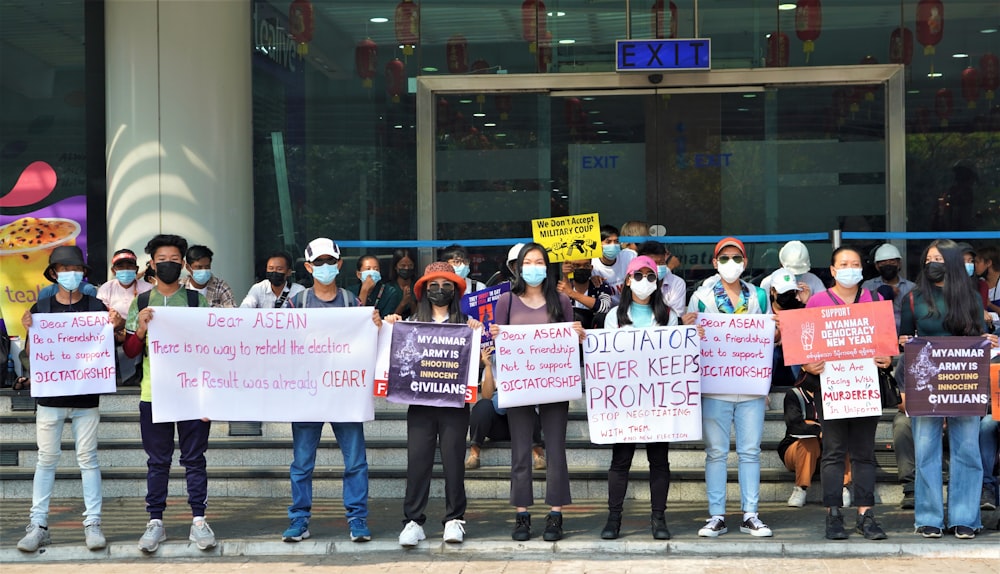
(570, 237)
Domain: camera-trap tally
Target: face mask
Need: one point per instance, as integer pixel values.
(662, 271)
(849, 277)
(70, 280)
(404, 273)
(888, 272)
(461, 270)
(789, 300)
(970, 268)
(375, 275)
(201, 276)
(642, 289)
(731, 271)
(534, 274)
(168, 271)
(276, 278)
(935, 271)
(581, 275)
(440, 298)
(325, 274)
(125, 276)
(611, 251)
(810, 384)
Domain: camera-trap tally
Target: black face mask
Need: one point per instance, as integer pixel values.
(276, 278)
(888, 272)
(789, 300)
(440, 298)
(168, 271)
(935, 271)
(810, 383)
(404, 273)
(581, 275)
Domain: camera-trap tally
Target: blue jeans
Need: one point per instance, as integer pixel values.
(48, 432)
(717, 418)
(989, 437)
(965, 472)
(351, 439)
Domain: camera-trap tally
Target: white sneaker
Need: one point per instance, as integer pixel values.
(154, 534)
(94, 536)
(755, 527)
(454, 531)
(412, 534)
(847, 497)
(798, 497)
(35, 536)
(201, 534)
(714, 527)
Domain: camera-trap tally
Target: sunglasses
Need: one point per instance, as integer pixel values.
(322, 262)
(723, 259)
(638, 276)
(439, 288)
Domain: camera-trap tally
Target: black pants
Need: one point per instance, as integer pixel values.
(425, 427)
(554, 418)
(857, 437)
(158, 442)
(486, 423)
(659, 475)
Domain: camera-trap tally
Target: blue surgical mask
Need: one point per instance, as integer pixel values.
(970, 268)
(534, 274)
(611, 251)
(125, 276)
(661, 271)
(201, 276)
(373, 273)
(70, 280)
(461, 270)
(325, 274)
(849, 276)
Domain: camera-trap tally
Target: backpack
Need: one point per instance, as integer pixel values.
(299, 300)
(142, 300)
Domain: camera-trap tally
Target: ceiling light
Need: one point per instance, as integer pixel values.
(479, 115)
(594, 112)
(378, 20)
(742, 109)
(430, 69)
(934, 75)
(398, 127)
(489, 125)
(567, 41)
(602, 132)
(786, 6)
(749, 95)
(465, 101)
(598, 123)
(959, 55)
(912, 91)
(988, 31)
(500, 135)
(556, 14)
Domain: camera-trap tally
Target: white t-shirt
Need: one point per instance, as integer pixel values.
(614, 274)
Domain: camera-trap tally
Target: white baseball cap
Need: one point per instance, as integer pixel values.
(321, 246)
(783, 281)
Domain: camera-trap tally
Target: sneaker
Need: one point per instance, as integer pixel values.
(412, 534)
(35, 536)
(658, 524)
(847, 497)
(929, 531)
(964, 533)
(798, 497)
(870, 527)
(755, 527)
(987, 500)
(908, 502)
(716, 526)
(553, 527)
(612, 527)
(522, 527)
(154, 534)
(359, 529)
(835, 525)
(94, 536)
(201, 534)
(297, 531)
(454, 531)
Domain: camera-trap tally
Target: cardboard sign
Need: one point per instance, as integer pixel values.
(71, 354)
(947, 376)
(568, 238)
(480, 305)
(643, 385)
(537, 364)
(838, 333)
(296, 365)
(850, 389)
(737, 353)
(430, 364)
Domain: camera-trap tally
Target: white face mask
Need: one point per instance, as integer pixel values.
(731, 271)
(643, 288)
(849, 276)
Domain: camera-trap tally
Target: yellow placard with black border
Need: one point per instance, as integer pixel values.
(570, 237)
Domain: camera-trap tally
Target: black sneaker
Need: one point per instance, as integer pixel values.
(987, 500)
(658, 524)
(553, 527)
(522, 527)
(907, 503)
(835, 525)
(965, 533)
(868, 526)
(612, 527)
(929, 531)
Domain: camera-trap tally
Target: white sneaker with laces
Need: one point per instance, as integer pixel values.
(154, 534)
(94, 536)
(798, 497)
(847, 497)
(412, 534)
(755, 527)
(35, 536)
(715, 527)
(454, 531)
(201, 534)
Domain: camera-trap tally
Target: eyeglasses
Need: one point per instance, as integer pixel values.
(322, 262)
(723, 259)
(638, 276)
(446, 288)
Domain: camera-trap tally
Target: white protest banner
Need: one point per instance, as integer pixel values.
(737, 353)
(537, 364)
(850, 389)
(71, 354)
(643, 385)
(296, 365)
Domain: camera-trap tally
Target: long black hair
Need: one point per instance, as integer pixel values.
(553, 306)
(661, 313)
(397, 256)
(963, 313)
(425, 311)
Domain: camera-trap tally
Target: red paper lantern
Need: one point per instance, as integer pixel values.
(808, 24)
(970, 86)
(300, 24)
(943, 105)
(457, 54)
(365, 60)
(533, 22)
(930, 24)
(869, 90)
(989, 69)
(504, 105)
(394, 79)
(901, 46)
(659, 24)
(777, 50)
(545, 52)
(407, 23)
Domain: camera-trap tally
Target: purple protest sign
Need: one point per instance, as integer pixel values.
(947, 376)
(480, 305)
(429, 364)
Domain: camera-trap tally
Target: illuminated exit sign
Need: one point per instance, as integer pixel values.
(663, 55)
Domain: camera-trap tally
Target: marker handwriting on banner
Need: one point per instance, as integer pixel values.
(850, 389)
(537, 364)
(736, 353)
(71, 354)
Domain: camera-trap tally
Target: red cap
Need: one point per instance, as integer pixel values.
(726, 242)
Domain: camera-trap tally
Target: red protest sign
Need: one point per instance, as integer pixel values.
(995, 389)
(858, 331)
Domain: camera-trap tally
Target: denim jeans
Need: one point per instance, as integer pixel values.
(351, 440)
(48, 431)
(988, 439)
(718, 417)
(965, 477)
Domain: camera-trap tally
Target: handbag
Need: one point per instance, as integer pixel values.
(889, 389)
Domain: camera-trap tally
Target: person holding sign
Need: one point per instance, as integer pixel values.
(943, 304)
(641, 306)
(67, 265)
(847, 436)
(534, 300)
(429, 426)
(727, 293)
